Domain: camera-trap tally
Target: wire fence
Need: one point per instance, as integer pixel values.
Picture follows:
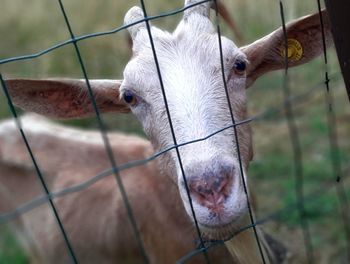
(288, 105)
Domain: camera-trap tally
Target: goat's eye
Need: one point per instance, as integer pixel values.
(240, 66)
(129, 98)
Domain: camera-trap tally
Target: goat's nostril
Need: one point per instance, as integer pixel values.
(217, 184)
(220, 183)
(210, 191)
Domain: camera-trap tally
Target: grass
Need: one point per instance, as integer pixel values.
(273, 170)
(10, 251)
(32, 25)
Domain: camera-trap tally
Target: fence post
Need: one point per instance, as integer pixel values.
(338, 12)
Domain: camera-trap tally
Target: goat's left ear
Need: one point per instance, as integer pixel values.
(304, 43)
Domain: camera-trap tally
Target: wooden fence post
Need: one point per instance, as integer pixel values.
(339, 12)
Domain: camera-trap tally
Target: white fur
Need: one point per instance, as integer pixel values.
(190, 66)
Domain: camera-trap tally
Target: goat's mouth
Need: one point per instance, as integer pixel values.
(221, 227)
(221, 221)
(219, 232)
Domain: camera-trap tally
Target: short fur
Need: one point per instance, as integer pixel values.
(191, 71)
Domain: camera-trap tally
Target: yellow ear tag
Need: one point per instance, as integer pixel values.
(295, 50)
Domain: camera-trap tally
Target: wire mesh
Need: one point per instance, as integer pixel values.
(115, 169)
(207, 260)
(297, 153)
(333, 143)
(106, 142)
(236, 136)
(38, 171)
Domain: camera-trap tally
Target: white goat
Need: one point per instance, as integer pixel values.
(95, 218)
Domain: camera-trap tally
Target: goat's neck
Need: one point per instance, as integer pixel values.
(244, 247)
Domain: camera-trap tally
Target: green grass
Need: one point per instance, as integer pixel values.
(29, 26)
(272, 169)
(10, 251)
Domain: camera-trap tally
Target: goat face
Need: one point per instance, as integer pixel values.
(191, 72)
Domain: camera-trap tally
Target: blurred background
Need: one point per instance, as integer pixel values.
(29, 26)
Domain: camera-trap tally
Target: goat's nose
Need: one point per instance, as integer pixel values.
(210, 192)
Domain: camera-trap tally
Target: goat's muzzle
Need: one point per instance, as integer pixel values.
(211, 187)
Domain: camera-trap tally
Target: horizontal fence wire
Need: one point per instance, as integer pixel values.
(154, 53)
(236, 140)
(277, 215)
(117, 168)
(107, 145)
(98, 34)
(333, 142)
(39, 173)
(298, 99)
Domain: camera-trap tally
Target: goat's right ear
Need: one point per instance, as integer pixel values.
(66, 98)
(304, 43)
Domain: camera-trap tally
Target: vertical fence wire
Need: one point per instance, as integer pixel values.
(201, 241)
(293, 130)
(333, 141)
(106, 141)
(39, 173)
(297, 153)
(32, 204)
(235, 131)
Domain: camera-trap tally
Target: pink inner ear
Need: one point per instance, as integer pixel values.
(65, 98)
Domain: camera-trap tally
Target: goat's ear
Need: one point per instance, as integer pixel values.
(304, 43)
(65, 98)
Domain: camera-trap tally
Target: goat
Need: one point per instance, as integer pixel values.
(95, 219)
(189, 61)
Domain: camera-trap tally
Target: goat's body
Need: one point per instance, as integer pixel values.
(95, 219)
